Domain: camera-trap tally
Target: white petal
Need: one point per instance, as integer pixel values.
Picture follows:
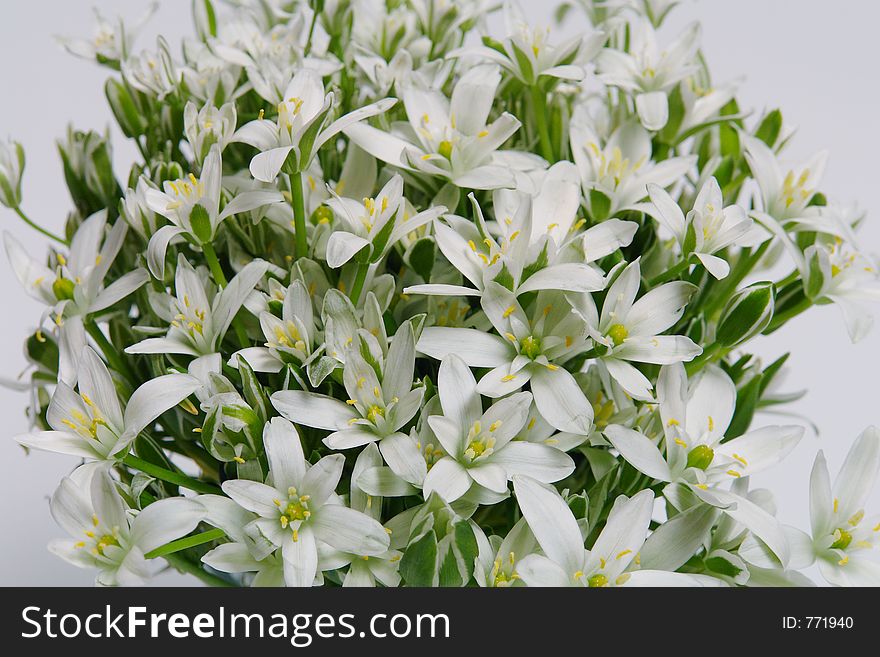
(313, 410)
(448, 479)
(265, 166)
(542, 462)
(551, 521)
(653, 109)
(287, 463)
(252, 200)
(165, 521)
(300, 558)
(660, 349)
(458, 391)
(639, 451)
(350, 531)
(560, 400)
(119, 289)
(538, 570)
(342, 247)
(634, 383)
(476, 348)
(253, 496)
(570, 277)
(858, 473)
(154, 398)
(490, 475)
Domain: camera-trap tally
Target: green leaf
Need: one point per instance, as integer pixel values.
(600, 205)
(722, 566)
(676, 115)
(747, 398)
(418, 566)
(769, 128)
(421, 257)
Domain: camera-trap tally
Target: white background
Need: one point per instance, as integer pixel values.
(817, 60)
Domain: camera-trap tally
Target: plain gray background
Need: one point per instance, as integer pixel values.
(815, 59)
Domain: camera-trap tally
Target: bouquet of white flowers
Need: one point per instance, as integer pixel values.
(394, 299)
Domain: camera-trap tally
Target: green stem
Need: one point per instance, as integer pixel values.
(220, 277)
(185, 565)
(308, 47)
(185, 543)
(360, 277)
(214, 264)
(39, 228)
(671, 273)
(176, 478)
(539, 101)
(299, 214)
(117, 362)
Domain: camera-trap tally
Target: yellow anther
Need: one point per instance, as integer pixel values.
(238, 459)
(621, 555)
(508, 377)
(734, 473)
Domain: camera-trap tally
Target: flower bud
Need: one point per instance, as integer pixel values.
(11, 169)
(88, 170)
(122, 104)
(747, 314)
(208, 126)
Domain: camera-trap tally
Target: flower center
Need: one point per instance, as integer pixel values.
(843, 539)
(597, 581)
(531, 346)
(295, 512)
(62, 288)
(479, 443)
(618, 334)
(700, 457)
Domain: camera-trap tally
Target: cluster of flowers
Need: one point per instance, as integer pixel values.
(395, 299)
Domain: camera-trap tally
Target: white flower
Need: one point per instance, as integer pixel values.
(842, 536)
(297, 509)
(480, 447)
(449, 139)
(289, 339)
(381, 394)
(496, 563)
(76, 287)
(91, 424)
(378, 223)
(289, 144)
(620, 168)
(709, 227)
(208, 126)
(526, 53)
(363, 569)
(612, 561)
(629, 330)
(193, 207)
(783, 196)
(111, 40)
(834, 272)
(528, 353)
(105, 533)
(647, 72)
(510, 258)
(695, 416)
(198, 323)
(153, 73)
(242, 554)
